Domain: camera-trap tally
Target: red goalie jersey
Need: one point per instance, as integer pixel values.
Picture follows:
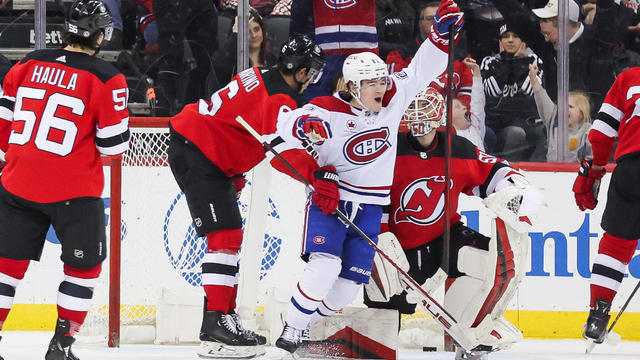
(416, 213)
(60, 110)
(619, 117)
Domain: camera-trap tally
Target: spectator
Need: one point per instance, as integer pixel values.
(399, 59)
(394, 23)
(482, 25)
(188, 37)
(579, 120)
(470, 124)
(590, 53)
(259, 49)
(511, 109)
(263, 7)
(340, 28)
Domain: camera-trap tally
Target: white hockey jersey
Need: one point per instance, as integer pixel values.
(362, 146)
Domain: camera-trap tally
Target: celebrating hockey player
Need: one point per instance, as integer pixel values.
(61, 109)
(617, 118)
(346, 150)
(208, 153)
(484, 271)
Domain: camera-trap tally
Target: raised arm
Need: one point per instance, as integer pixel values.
(431, 58)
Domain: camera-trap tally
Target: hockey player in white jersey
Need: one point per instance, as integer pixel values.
(345, 146)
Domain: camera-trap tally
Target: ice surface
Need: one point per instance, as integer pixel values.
(19, 345)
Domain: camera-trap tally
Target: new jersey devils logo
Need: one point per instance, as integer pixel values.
(339, 4)
(422, 202)
(366, 146)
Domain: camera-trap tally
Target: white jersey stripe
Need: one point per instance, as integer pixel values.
(604, 128)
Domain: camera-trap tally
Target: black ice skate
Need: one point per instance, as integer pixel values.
(290, 339)
(246, 332)
(60, 344)
(220, 327)
(596, 328)
(222, 340)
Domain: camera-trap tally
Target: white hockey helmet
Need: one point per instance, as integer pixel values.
(363, 66)
(425, 113)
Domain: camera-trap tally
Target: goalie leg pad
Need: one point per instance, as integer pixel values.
(317, 279)
(487, 272)
(385, 278)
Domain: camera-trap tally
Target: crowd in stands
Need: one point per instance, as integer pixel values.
(505, 70)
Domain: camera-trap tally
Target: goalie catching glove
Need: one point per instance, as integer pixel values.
(587, 185)
(516, 202)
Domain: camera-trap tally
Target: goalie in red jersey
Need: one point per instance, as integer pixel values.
(484, 271)
(61, 109)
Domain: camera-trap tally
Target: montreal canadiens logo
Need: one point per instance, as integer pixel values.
(367, 146)
(422, 202)
(339, 4)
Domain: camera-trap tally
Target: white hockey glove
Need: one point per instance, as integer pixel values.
(385, 279)
(516, 202)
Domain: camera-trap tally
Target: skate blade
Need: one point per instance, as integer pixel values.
(217, 350)
(590, 345)
(285, 355)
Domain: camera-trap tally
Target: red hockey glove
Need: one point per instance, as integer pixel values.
(238, 182)
(312, 128)
(587, 185)
(326, 196)
(448, 13)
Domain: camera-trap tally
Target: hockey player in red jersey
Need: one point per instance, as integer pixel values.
(208, 153)
(618, 118)
(60, 111)
(484, 272)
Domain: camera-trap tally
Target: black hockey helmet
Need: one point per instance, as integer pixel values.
(86, 17)
(302, 52)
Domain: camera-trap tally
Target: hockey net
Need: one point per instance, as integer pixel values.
(160, 253)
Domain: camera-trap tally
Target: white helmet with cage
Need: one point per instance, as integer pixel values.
(363, 66)
(425, 113)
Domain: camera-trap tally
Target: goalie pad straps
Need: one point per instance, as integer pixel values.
(385, 279)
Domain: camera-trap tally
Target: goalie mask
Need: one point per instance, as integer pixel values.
(363, 66)
(425, 113)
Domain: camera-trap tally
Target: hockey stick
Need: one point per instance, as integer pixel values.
(446, 235)
(592, 344)
(436, 310)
